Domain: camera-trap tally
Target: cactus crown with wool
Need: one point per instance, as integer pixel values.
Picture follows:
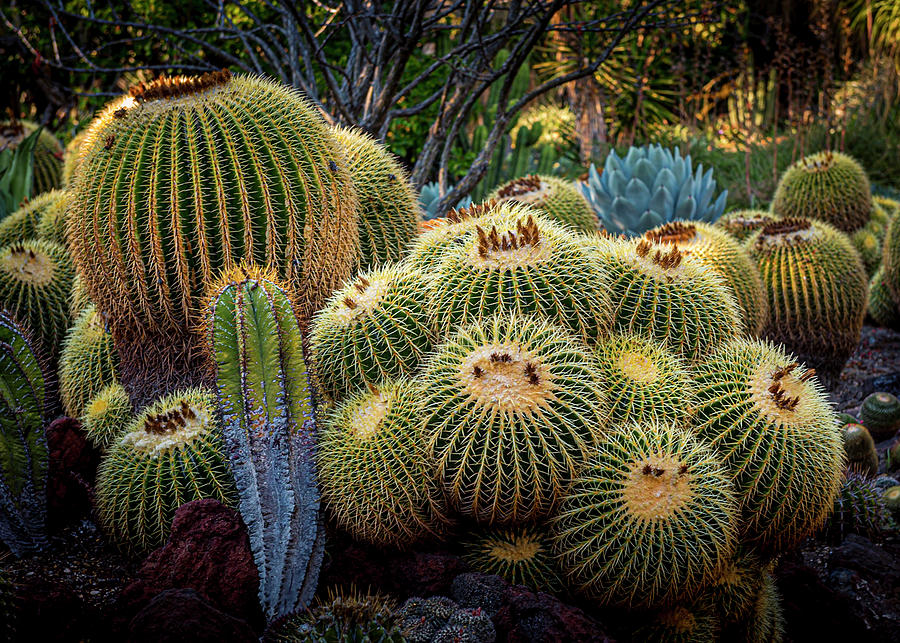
(377, 327)
(513, 407)
(521, 555)
(829, 186)
(816, 286)
(106, 416)
(186, 176)
(376, 478)
(526, 265)
(741, 224)
(770, 419)
(649, 187)
(87, 363)
(649, 519)
(724, 255)
(170, 454)
(557, 199)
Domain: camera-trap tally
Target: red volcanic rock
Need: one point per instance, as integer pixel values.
(72, 468)
(207, 551)
(539, 617)
(178, 615)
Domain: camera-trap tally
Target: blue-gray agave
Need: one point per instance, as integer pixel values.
(431, 195)
(649, 187)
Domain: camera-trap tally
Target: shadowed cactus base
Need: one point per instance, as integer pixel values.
(773, 425)
(376, 480)
(171, 453)
(513, 407)
(860, 448)
(694, 622)
(87, 362)
(736, 587)
(559, 200)
(880, 414)
(765, 622)
(649, 520)
(106, 416)
(377, 327)
(521, 555)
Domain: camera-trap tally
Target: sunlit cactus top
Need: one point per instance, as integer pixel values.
(651, 186)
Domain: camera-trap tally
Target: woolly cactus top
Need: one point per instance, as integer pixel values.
(27, 263)
(506, 377)
(171, 423)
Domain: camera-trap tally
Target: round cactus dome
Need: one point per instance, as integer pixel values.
(880, 414)
(829, 186)
(106, 416)
(556, 198)
(650, 518)
(521, 555)
(87, 362)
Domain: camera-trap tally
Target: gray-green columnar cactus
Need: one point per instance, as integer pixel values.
(649, 187)
(255, 345)
(23, 445)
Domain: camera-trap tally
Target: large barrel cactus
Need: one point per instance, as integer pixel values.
(649, 187)
(185, 176)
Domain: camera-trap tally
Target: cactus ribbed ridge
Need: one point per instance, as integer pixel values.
(28, 222)
(106, 416)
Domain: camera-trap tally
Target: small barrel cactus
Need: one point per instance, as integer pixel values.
(868, 245)
(816, 285)
(521, 555)
(376, 480)
(741, 224)
(650, 518)
(559, 200)
(106, 416)
(860, 448)
(891, 500)
(651, 186)
(828, 186)
(513, 407)
(48, 153)
(388, 213)
(171, 453)
(377, 327)
(882, 308)
(858, 509)
(880, 414)
(687, 622)
(675, 299)
(770, 419)
(736, 587)
(30, 221)
(87, 363)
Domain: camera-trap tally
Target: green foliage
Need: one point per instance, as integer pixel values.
(87, 363)
(880, 414)
(378, 327)
(521, 555)
(772, 423)
(106, 416)
(23, 445)
(512, 408)
(559, 200)
(860, 449)
(16, 173)
(377, 481)
(170, 454)
(649, 520)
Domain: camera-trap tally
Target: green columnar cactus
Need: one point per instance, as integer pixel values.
(377, 481)
(24, 223)
(723, 254)
(882, 308)
(828, 186)
(388, 212)
(773, 425)
(171, 453)
(48, 153)
(858, 509)
(24, 463)
(693, 622)
(106, 416)
(378, 327)
(557, 124)
(657, 291)
(185, 176)
(559, 200)
(649, 520)
(521, 555)
(531, 266)
(736, 587)
(513, 407)
(880, 414)
(860, 448)
(643, 380)
(816, 285)
(72, 156)
(255, 347)
(741, 224)
(35, 282)
(87, 363)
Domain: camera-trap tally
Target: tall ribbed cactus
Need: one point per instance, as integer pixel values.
(23, 445)
(255, 345)
(185, 176)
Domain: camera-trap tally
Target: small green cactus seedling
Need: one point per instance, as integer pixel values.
(377, 327)
(860, 448)
(440, 620)
(891, 500)
(35, 282)
(882, 308)
(828, 186)
(513, 408)
(736, 587)
(106, 416)
(858, 509)
(557, 199)
(388, 212)
(880, 413)
(649, 520)
(644, 380)
(530, 266)
(693, 622)
(521, 555)
(87, 362)
(675, 299)
(741, 224)
(171, 453)
(728, 258)
(376, 480)
(816, 285)
(771, 421)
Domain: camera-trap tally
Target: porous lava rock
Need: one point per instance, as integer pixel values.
(72, 469)
(529, 617)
